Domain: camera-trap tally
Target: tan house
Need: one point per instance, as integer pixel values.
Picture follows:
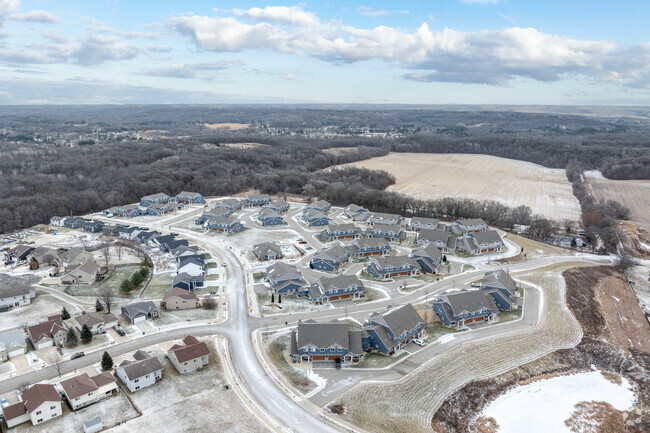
(84, 390)
(50, 333)
(38, 404)
(193, 355)
(72, 257)
(85, 273)
(179, 299)
(12, 343)
(97, 322)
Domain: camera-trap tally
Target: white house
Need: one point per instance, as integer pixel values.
(40, 403)
(143, 371)
(15, 296)
(83, 390)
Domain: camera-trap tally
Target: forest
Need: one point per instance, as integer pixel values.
(58, 161)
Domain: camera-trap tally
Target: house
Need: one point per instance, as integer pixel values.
(48, 333)
(392, 233)
(125, 211)
(97, 322)
(330, 260)
(42, 256)
(231, 203)
(150, 200)
(186, 197)
(332, 341)
(128, 233)
(186, 281)
(224, 225)
(85, 273)
(385, 218)
(285, 279)
(267, 251)
(18, 254)
(73, 223)
(388, 331)
(469, 245)
(315, 218)
(145, 236)
(417, 223)
(469, 226)
(320, 205)
(428, 258)
(92, 226)
(353, 210)
(192, 355)
(167, 247)
(184, 250)
(140, 311)
(335, 288)
(503, 289)
(269, 217)
(193, 265)
(340, 231)
(57, 221)
(110, 230)
(487, 241)
(158, 240)
(280, 206)
(143, 371)
(12, 343)
(217, 212)
(15, 295)
(258, 200)
(387, 267)
(160, 209)
(179, 299)
(38, 404)
(444, 240)
(72, 256)
(84, 390)
(365, 247)
(459, 309)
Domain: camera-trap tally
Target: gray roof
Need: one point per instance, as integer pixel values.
(424, 221)
(489, 237)
(267, 248)
(277, 270)
(144, 307)
(428, 251)
(188, 194)
(472, 222)
(392, 261)
(8, 291)
(92, 319)
(386, 228)
(318, 204)
(222, 221)
(157, 196)
(335, 253)
(356, 344)
(230, 202)
(352, 208)
(144, 364)
(70, 254)
(385, 216)
(434, 235)
(470, 301)
(339, 282)
(184, 277)
(370, 242)
(12, 338)
(398, 319)
(323, 334)
(257, 197)
(335, 228)
(184, 248)
(268, 213)
(499, 278)
(313, 214)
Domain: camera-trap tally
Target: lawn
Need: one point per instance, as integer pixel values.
(114, 279)
(378, 360)
(207, 256)
(372, 295)
(212, 265)
(276, 354)
(158, 285)
(509, 316)
(436, 331)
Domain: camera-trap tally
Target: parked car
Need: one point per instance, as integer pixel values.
(77, 355)
(475, 285)
(144, 228)
(419, 342)
(302, 242)
(120, 331)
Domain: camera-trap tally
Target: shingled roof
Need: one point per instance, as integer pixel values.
(191, 349)
(144, 364)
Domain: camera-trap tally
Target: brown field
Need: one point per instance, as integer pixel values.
(634, 194)
(513, 183)
(231, 126)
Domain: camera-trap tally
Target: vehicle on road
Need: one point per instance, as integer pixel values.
(419, 342)
(77, 355)
(224, 264)
(144, 228)
(475, 285)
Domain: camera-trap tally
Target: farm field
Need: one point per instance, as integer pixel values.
(634, 194)
(428, 176)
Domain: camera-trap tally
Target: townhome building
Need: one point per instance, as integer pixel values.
(124, 211)
(153, 199)
(428, 258)
(444, 240)
(340, 231)
(418, 223)
(487, 241)
(336, 288)
(466, 307)
(330, 260)
(501, 287)
(388, 267)
(267, 251)
(285, 278)
(257, 200)
(279, 206)
(471, 225)
(269, 217)
(352, 210)
(332, 341)
(391, 233)
(187, 197)
(224, 224)
(320, 205)
(315, 218)
(384, 218)
(390, 330)
(366, 247)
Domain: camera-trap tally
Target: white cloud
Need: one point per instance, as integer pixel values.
(491, 57)
(6, 7)
(288, 76)
(35, 16)
(202, 71)
(293, 15)
(370, 12)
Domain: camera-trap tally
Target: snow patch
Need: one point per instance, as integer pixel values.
(544, 405)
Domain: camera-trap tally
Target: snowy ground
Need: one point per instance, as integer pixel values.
(245, 240)
(543, 406)
(41, 307)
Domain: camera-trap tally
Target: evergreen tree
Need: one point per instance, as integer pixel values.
(107, 361)
(71, 337)
(126, 286)
(98, 305)
(86, 335)
(64, 314)
(272, 297)
(279, 298)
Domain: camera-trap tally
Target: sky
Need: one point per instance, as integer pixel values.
(550, 52)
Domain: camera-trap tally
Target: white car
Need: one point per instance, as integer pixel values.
(475, 285)
(419, 342)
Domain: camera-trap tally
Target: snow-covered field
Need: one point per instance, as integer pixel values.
(428, 176)
(543, 406)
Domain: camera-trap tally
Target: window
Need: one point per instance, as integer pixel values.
(185, 363)
(38, 412)
(137, 380)
(322, 350)
(76, 399)
(147, 376)
(52, 407)
(53, 415)
(39, 420)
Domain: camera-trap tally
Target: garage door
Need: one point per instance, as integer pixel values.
(139, 319)
(345, 296)
(44, 344)
(334, 298)
(318, 357)
(479, 319)
(16, 352)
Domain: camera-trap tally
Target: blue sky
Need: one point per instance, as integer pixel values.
(409, 52)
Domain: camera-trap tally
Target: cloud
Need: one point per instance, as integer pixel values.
(493, 57)
(192, 70)
(288, 76)
(6, 7)
(293, 15)
(370, 12)
(35, 16)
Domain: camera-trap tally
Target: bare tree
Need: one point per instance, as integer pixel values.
(107, 296)
(57, 361)
(106, 252)
(119, 251)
